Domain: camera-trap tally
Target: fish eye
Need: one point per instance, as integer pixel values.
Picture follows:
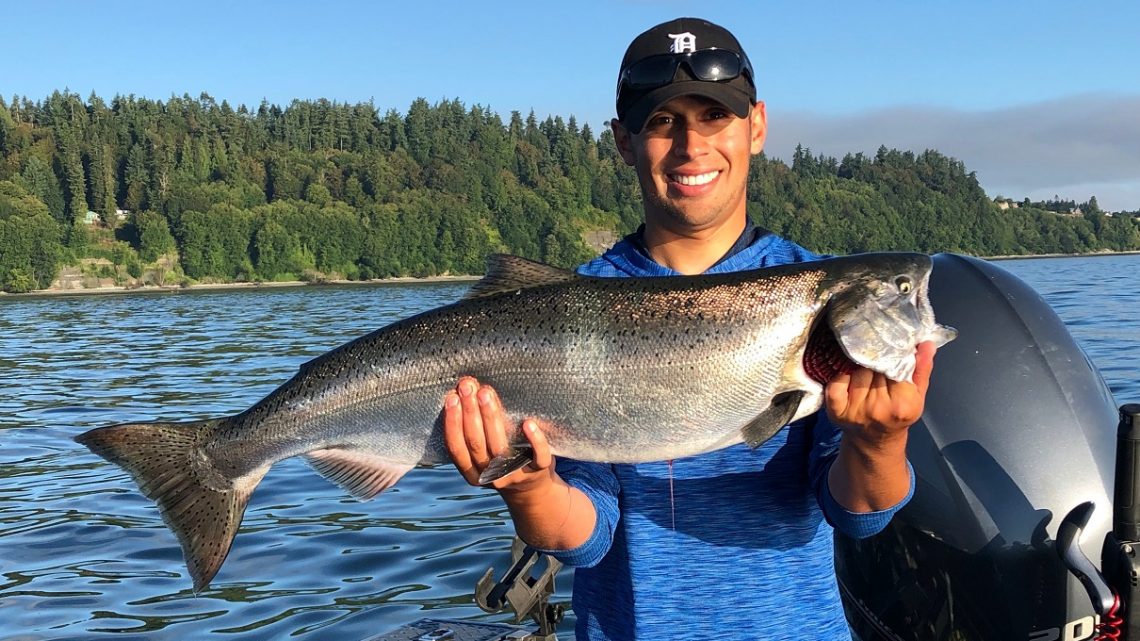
(904, 284)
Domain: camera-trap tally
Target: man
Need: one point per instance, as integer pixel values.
(733, 543)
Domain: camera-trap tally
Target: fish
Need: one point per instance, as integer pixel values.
(616, 370)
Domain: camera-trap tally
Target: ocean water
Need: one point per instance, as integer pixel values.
(84, 556)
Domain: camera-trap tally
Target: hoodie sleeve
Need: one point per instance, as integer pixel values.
(598, 482)
(825, 449)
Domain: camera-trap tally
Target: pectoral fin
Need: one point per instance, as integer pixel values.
(768, 422)
(514, 459)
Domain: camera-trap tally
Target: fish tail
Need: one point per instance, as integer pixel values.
(200, 504)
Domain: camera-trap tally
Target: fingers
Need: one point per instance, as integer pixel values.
(836, 394)
(464, 429)
(453, 438)
(853, 389)
(494, 421)
(908, 397)
(923, 366)
(863, 380)
(475, 430)
(851, 398)
(541, 448)
(867, 399)
(472, 421)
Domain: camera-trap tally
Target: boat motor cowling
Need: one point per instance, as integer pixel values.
(1019, 431)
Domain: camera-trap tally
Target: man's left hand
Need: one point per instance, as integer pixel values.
(874, 409)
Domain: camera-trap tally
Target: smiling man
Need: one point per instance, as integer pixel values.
(736, 543)
(689, 123)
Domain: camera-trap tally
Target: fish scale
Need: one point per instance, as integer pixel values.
(614, 370)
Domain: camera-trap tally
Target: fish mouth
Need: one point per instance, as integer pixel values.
(823, 357)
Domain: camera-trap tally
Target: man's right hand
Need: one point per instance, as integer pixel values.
(475, 431)
(547, 513)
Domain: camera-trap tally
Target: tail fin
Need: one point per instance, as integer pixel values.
(200, 505)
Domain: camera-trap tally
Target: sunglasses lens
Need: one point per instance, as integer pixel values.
(713, 65)
(651, 72)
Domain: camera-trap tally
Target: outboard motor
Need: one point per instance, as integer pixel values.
(1014, 464)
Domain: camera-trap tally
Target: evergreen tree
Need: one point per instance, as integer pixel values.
(74, 178)
(103, 187)
(42, 183)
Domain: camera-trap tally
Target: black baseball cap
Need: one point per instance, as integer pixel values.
(675, 38)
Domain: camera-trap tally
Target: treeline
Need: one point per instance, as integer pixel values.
(320, 189)
(1061, 206)
(926, 202)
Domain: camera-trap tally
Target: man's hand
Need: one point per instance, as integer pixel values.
(475, 431)
(874, 412)
(871, 407)
(547, 513)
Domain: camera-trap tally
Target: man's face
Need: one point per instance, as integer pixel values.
(692, 160)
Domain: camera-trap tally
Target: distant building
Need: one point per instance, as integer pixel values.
(122, 214)
(90, 218)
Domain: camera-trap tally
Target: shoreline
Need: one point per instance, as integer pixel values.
(396, 280)
(169, 289)
(1033, 256)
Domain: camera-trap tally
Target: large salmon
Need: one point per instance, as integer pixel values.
(614, 369)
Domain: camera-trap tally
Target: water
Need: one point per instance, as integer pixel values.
(1099, 300)
(84, 556)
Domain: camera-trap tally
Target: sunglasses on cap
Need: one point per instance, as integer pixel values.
(710, 65)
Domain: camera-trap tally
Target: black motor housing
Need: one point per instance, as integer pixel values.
(1019, 429)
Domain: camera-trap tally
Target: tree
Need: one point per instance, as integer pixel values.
(30, 247)
(74, 178)
(136, 178)
(417, 126)
(102, 183)
(42, 183)
(154, 237)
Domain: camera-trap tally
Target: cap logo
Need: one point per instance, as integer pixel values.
(683, 42)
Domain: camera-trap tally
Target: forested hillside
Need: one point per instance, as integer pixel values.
(320, 190)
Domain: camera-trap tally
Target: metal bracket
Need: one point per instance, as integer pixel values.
(525, 594)
(1068, 546)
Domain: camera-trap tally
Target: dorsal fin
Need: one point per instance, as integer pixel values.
(507, 273)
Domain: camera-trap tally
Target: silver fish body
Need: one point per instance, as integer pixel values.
(615, 370)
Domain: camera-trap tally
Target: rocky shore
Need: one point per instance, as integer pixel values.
(74, 281)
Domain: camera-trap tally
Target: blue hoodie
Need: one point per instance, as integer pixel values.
(738, 544)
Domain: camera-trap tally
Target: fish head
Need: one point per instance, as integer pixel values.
(879, 311)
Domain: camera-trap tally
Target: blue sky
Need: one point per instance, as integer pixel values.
(1040, 98)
